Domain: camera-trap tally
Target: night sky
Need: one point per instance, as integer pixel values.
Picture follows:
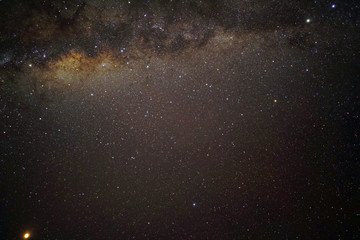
(161, 119)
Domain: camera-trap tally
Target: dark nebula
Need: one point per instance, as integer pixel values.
(167, 119)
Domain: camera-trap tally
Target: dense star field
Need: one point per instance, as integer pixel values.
(161, 119)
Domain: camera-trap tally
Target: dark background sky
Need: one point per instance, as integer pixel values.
(179, 119)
